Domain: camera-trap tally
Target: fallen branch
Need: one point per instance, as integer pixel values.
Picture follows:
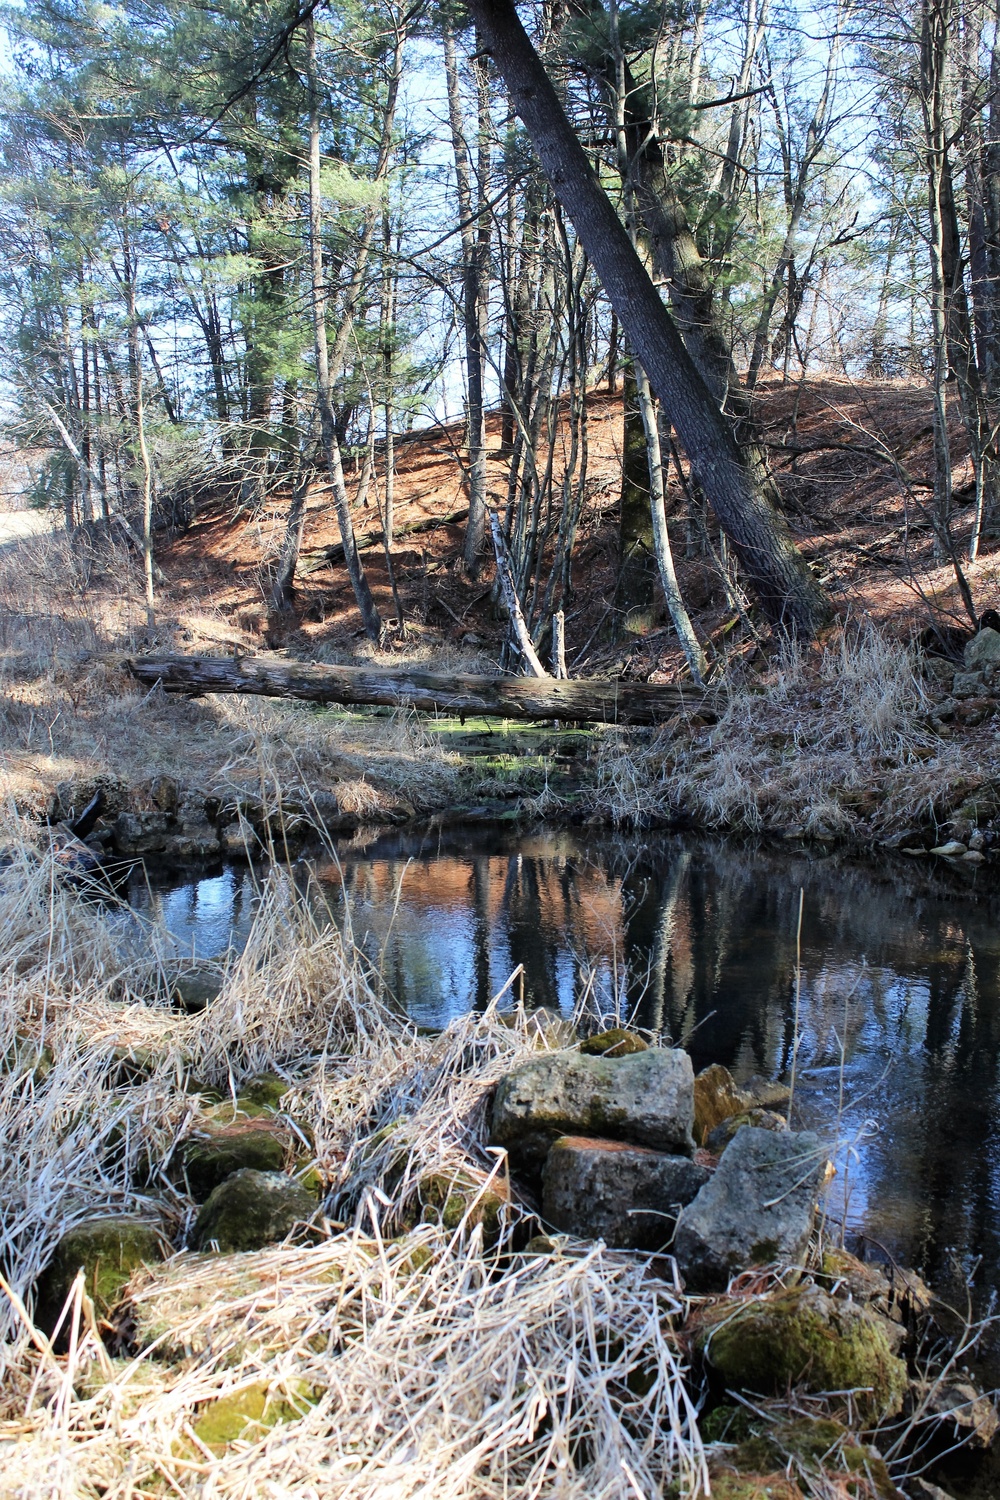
(508, 589)
(329, 557)
(586, 699)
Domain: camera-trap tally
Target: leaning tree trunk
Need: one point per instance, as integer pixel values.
(789, 594)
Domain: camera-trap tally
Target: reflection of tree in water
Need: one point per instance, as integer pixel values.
(479, 883)
(548, 911)
(703, 972)
(941, 1127)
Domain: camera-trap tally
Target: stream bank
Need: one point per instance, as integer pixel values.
(861, 744)
(300, 1078)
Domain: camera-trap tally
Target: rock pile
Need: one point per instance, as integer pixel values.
(236, 1163)
(179, 823)
(608, 1132)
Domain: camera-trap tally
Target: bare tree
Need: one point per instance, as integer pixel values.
(789, 594)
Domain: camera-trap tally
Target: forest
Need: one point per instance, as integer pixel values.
(249, 251)
(499, 781)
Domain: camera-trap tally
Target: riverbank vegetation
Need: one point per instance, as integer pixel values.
(413, 1333)
(648, 345)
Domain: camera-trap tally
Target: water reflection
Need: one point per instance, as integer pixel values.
(899, 1003)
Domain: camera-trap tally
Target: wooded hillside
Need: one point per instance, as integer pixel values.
(249, 253)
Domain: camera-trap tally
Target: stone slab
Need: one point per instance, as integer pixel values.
(646, 1098)
(758, 1207)
(627, 1196)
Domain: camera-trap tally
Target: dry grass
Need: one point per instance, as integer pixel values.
(832, 746)
(415, 1366)
(400, 1374)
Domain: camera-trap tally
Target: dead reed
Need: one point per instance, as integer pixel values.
(367, 1359)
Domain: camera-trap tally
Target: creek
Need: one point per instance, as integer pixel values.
(898, 999)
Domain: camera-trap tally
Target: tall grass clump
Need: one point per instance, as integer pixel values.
(830, 747)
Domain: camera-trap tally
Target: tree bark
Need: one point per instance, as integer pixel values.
(475, 267)
(583, 699)
(694, 655)
(508, 591)
(636, 546)
(788, 593)
(328, 425)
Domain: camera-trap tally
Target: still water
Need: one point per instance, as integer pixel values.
(898, 995)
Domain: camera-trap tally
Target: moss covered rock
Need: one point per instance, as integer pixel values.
(716, 1098)
(804, 1337)
(262, 1095)
(194, 987)
(644, 1097)
(215, 1152)
(108, 1250)
(448, 1198)
(617, 1042)
(763, 1119)
(845, 1275)
(248, 1413)
(132, 1064)
(251, 1209)
(818, 1448)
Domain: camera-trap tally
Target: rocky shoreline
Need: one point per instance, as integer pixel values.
(912, 802)
(808, 1365)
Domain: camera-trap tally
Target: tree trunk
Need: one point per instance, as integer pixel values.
(284, 581)
(681, 620)
(582, 699)
(475, 262)
(328, 425)
(790, 596)
(636, 557)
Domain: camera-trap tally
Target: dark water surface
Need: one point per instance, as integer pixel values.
(899, 1003)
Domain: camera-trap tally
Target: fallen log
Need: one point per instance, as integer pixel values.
(583, 699)
(333, 556)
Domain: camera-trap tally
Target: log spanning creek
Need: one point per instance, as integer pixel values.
(898, 999)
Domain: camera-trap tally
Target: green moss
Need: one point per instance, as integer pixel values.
(803, 1337)
(864, 1282)
(207, 1093)
(450, 1199)
(309, 1175)
(108, 1250)
(417, 1259)
(250, 1210)
(728, 1486)
(249, 1413)
(818, 1446)
(762, 1119)
(217, 1151)
(262, 1095)
(26, 1058)
(726, 1424)
(716, 1098)
(617, 1042)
